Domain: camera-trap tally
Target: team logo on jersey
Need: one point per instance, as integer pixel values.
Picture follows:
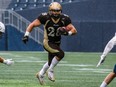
(55, 25)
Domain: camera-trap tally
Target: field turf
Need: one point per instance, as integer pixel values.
(77, 69)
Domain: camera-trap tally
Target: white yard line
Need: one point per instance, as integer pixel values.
(93, 70)
(81, 65)
(29, 61)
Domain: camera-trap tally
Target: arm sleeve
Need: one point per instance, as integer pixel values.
(67, 21)
(42, 18)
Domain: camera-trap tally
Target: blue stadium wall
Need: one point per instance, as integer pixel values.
(12, 41)
(95, 21)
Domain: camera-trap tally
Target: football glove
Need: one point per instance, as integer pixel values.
(8, 62)
(63, 31)
(25, 39)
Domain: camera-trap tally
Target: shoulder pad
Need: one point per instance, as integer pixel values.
(66, 15)
(44, 14)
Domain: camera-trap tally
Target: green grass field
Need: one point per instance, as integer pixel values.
(75, 70)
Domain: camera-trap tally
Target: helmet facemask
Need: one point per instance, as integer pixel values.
(1, 33)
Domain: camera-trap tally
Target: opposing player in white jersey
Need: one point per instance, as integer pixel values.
(107, 49)
(2, 60)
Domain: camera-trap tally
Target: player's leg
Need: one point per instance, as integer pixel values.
(109, 78)
(50, 73)
(46, 65)
(54, 59)
(6, 61)
(107, 49)
(44, 68)
(54, 50)
(54, 62)
(40, 74)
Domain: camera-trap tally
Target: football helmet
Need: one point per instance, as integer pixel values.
(2, 29)
(55, 9)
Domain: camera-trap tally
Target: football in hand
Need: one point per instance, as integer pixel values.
(64, 28)
(63, 31)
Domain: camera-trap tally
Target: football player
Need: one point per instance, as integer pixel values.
(55, 24)
(2, 60)
(107, 49)
(109, 78)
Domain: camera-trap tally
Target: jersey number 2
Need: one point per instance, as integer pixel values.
(52, 32)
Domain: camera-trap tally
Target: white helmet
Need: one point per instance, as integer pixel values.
(2, 27)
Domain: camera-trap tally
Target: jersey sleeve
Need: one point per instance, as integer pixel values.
(42, 18)
(67, 20)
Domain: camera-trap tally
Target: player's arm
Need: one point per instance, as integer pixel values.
(68, 30)
(71, 29)
(31, 26)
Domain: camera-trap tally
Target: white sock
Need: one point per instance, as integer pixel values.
(44, 69)
(53, 63)
(109, 46)
(104, 84)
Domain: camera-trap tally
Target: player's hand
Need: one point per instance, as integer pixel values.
(101, 61)
(63, 31)
(25, 39)
(8, 62)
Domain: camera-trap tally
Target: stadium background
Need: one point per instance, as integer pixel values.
(95, 21)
